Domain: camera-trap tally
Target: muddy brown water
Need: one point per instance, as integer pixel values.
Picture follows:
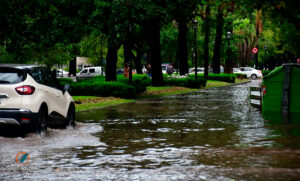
(207, 135)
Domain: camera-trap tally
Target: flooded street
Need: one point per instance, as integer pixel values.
(212, 134)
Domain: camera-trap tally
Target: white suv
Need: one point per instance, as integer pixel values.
(31, 95)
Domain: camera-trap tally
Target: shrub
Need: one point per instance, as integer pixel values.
(103, 89)
(189, 82)
(98, 87)
(241, 76)
(139, 82)
(222, 77)
(266, 72)
(65, 81)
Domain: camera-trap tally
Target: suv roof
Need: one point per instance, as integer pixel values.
(19, 66)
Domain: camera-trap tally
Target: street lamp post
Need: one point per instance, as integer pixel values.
(129, 6)
(101, 55)
(228, 37)
(195, 25)
(265, 47)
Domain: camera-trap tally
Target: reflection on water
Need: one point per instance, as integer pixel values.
(207, 135)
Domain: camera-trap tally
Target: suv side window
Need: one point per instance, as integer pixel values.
(50, 80)
(37, 75)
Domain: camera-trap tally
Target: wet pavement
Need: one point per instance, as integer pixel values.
(212, 134)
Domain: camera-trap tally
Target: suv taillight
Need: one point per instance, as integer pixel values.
(25, 90)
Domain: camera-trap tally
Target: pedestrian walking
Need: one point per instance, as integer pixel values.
(149, 70)
(170, 69)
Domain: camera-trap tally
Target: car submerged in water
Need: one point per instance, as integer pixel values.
(31, 96)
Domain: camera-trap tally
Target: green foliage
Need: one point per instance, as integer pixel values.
(65, 81)
(266, 72)
(140, 82)
(6, 57)
(222, 77)
(186, 82)
(91, 46)
(102, 89)
(219, 77)
(98, 87)
(241, 76)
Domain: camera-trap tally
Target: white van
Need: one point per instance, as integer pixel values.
(89, 72)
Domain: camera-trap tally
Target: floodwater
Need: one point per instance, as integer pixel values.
(208, 135)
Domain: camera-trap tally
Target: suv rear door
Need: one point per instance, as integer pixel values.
(10, 79)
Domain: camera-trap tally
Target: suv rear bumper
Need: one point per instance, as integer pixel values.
(17, 116)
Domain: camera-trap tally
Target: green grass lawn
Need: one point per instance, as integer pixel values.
(152, 92)
(92, 102)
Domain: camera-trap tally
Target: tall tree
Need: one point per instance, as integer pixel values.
(153, 30)
(183, 12)
(151, 16)
(218, 40)
(206, 39)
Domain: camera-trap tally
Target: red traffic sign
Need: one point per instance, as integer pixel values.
(254, 50)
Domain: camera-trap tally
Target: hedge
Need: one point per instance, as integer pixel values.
(189, 82)
(220, 77)
(102, 89)
(266, 72)
(98, 87)
(241, 76)
(65, 81)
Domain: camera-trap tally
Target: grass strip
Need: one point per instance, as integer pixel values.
(91, 102)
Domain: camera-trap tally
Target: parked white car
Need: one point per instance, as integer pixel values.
(164, 68)
(31, 96)
(89, 72)
(250, 72)
(199, 70)
(61, 73)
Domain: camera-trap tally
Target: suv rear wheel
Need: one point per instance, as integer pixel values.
(41, 122)
(71, 116)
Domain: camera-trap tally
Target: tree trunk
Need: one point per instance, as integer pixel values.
(111, 60)
(182, 48)
(206, 40)
(218, 41)
(138, 62)
(155, 54)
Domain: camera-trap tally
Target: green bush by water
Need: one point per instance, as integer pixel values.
(65, 81)
(266, 72)
(241, 76)
(189, 82)
(219, 77)
(98, 87)
(222, 77)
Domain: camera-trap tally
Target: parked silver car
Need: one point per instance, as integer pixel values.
(250, 72)
(89, 72)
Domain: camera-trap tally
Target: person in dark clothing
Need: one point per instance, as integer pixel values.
(149, 70)
(170, 69)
